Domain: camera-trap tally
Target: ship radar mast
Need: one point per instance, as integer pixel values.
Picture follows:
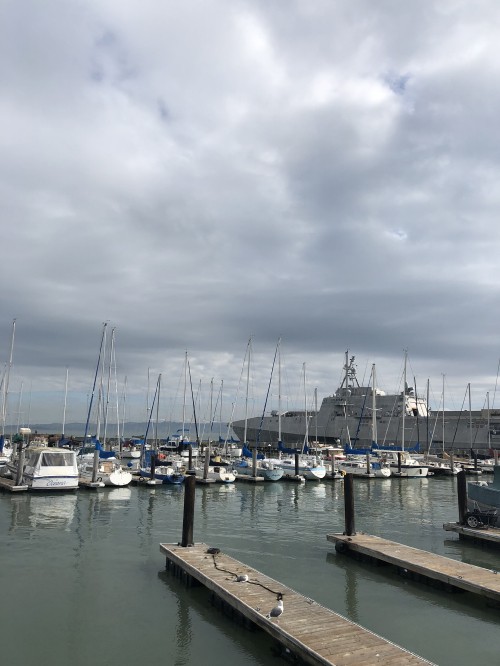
(350, 379)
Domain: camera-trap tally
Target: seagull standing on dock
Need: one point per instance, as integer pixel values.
(278, 609)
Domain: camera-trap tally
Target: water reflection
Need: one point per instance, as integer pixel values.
(43, 511)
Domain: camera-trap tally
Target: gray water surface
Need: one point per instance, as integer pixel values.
(82, 580)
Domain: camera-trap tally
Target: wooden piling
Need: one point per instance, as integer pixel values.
(20, 464)
(462, 496)
(350, 529)
(296, 463)
(188, 517)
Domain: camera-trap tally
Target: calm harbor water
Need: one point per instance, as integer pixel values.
(82, 580)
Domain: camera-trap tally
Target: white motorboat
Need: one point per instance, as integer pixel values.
(216, 471)
(402, 464)
(361, 468)
(310, 468)
(45, 468)
(268, 470)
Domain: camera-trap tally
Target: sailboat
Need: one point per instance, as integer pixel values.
(95, 465)
(309, 467)
(165, 473)
(259, 466)
(401, 462)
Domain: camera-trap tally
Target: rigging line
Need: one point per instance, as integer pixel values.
(194, 406)
(267, 397)
(496, 385)
(459, 417)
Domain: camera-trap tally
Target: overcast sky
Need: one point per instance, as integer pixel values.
(196, 173)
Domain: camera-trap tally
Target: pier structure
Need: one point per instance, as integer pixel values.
(413, 562)
(309, 632)
(306, 630)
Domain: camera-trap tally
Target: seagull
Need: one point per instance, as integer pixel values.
(243, 578)
(278, 609)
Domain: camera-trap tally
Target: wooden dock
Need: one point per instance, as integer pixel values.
(491, 535)
(443, 570)
(10, 484)
(312, 633)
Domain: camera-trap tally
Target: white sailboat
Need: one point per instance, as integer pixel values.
(401, 462)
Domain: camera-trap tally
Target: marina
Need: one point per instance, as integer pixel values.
(99, 552)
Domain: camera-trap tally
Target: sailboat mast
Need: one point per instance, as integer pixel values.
(306, 434)
(443, 415)
(404, 403)
(7, 377)
(108, 385)
(65, 403)
(279, 389)
(488, 417)
(374, 407)
(470, 417)
(184, 400)
(249, 355)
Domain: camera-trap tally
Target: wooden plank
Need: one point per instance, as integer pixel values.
(310, 631)
(464, 576)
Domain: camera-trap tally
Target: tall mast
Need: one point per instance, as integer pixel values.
(443, 415)
(65, 403)
(404, 403)
(279, 389)
(184, 400)
(470, 417)
(249, 354)
(374, 408)
(306, 434)
(7, 377)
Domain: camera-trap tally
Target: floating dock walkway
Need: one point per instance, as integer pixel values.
(443, 570)
(491, 535)
(312, 633)
(10, 484)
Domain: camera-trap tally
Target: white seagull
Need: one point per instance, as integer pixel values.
(278, 609)
(242, 578)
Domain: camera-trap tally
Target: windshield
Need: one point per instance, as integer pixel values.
(57, 459)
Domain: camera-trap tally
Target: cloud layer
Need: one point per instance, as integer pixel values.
(199, 173)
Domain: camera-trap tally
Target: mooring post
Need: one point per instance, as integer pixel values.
(20, 464)
(152, 465)
(188, 517)
(350, 529)
(190, 457)
(462, 496)
(254, 462)
(399, 462)
(296, 463)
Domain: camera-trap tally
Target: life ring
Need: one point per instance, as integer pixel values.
(162, 456)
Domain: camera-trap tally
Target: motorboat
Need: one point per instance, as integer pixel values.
(44, 468)
(268, 470)
(370, 469)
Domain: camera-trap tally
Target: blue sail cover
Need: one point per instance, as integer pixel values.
(283, 449)
(102, 454)
(246, 453)
(2, 439)
(349, 450)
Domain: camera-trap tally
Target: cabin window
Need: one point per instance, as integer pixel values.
(57, 459)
